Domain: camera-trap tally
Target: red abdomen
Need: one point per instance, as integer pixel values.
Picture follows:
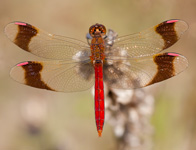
(99, 97)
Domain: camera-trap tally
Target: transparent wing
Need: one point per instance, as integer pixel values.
(43, 44)
(60, 76)
(136, 73)
(150, 41)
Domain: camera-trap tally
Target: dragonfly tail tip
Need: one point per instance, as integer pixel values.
(100, 133)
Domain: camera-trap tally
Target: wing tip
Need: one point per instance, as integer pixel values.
(178, 21)
(10, 29)
(17, 74)
(12, 24)
(182, 59)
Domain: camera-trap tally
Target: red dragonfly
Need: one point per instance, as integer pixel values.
(126, 62)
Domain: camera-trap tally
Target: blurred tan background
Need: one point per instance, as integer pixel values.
(33, 119)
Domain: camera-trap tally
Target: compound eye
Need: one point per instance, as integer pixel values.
(103, 30)
(92, 31)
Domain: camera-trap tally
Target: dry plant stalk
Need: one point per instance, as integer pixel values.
(128, 112)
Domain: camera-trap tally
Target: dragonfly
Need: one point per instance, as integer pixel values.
(126, 62)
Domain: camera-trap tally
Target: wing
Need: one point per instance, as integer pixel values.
(150, 41)
(44, 44)
(60, 76)
(136, 73)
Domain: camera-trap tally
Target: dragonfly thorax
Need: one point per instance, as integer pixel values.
(97, 48)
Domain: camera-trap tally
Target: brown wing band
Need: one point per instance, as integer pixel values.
(24, 36)
(168, 33)
(33, 75)
(165, 67)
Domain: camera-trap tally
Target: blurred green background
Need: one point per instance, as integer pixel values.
(33, 119)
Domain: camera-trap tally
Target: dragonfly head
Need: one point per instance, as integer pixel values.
(97, 30)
